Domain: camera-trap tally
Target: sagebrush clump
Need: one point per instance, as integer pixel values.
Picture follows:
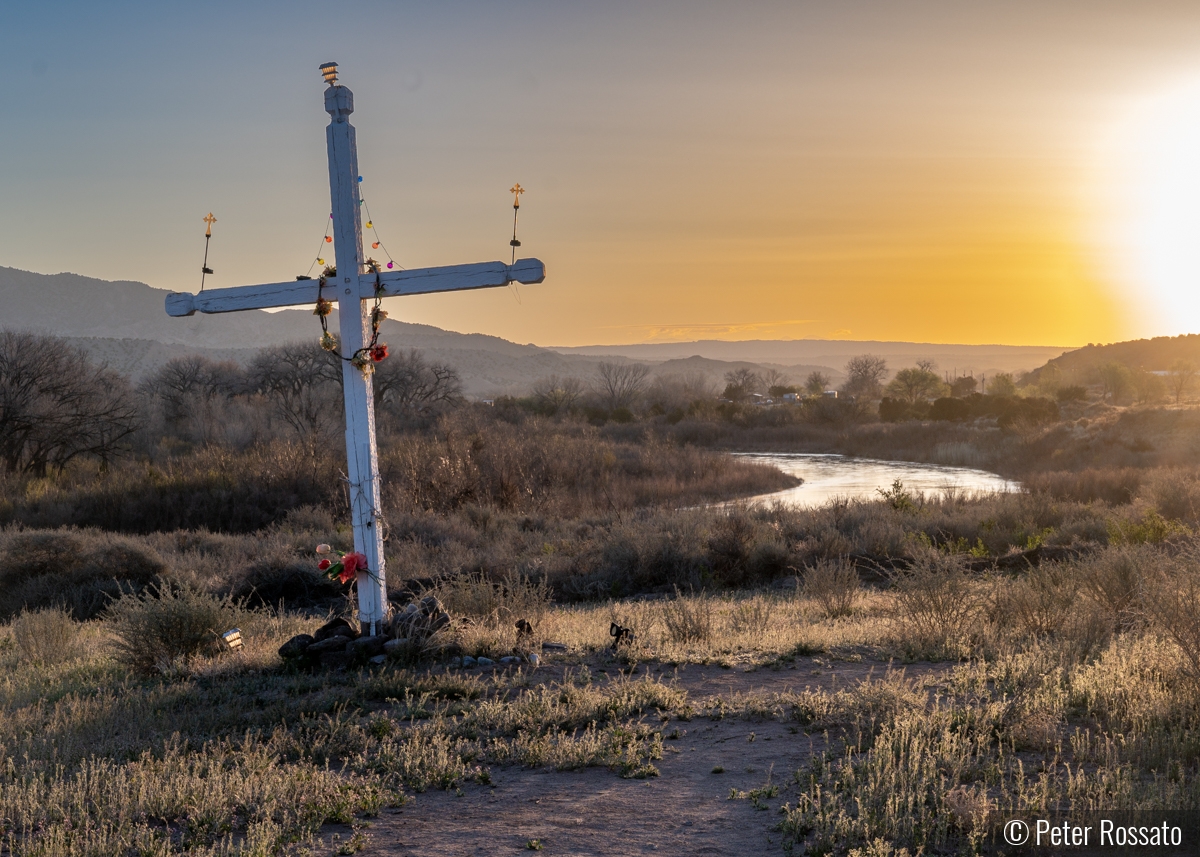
(166, 627)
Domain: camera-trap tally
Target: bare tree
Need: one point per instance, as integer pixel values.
(775, 382)
(1179, 377)
(554, 394)
(192, 391)
(302, 381)
(743, 382)
(816, 383)
(56, 405)
(406, 384)
(915, 385)
(620, 384)
(699, 385)
(675, 393)
(866, 373)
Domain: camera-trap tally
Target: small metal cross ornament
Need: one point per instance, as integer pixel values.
(516, 190)
(210, 220)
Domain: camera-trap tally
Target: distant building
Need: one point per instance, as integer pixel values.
(830, 394)
(791, 397)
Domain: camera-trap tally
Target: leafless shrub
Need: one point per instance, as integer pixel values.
(78, 570)
(45, 636)
(1176, 494)
(1047, 603)
(1114, 579)
(935, 601)
(689, 619)
(1112, 485)
(165, 628)
(1172, 604)
(1038, 603)
(834, 585)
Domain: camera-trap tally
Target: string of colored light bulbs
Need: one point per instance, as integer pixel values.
(377, 244)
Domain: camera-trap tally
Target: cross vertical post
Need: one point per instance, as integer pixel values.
(350, 286)
(362, 455)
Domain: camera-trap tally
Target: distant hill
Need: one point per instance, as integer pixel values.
(124, 324)
(1154, 355)
(833, 354)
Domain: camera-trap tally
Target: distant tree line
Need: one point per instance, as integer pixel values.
(57, 406)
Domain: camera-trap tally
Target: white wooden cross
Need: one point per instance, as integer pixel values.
(350, 288)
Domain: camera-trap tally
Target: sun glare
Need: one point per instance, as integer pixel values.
(1154, 219)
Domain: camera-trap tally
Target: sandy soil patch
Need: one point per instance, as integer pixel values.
(687, 810)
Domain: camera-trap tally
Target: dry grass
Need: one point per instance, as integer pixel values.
(270, 755)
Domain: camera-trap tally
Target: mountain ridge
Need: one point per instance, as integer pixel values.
(124, 324)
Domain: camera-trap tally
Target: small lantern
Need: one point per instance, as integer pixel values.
(233, 639)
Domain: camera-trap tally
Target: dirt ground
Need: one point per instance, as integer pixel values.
(687, 810)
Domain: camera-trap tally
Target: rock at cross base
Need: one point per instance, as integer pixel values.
(366, 647)
(329, 644)
(338, 627)
(296, 646)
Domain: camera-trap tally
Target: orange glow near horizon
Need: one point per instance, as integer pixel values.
(923, 170)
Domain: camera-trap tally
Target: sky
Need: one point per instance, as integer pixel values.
(952, 171)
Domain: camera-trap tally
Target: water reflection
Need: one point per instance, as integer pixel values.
(827, 477)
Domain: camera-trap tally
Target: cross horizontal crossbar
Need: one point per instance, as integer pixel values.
(419, 281)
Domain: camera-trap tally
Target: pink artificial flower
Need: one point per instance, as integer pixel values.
(323, 548)
(351, 563)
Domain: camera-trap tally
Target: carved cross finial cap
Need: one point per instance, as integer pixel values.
(329, 72)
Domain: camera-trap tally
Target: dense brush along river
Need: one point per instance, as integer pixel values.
(829, 477)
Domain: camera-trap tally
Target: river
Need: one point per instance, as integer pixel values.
(827, 477)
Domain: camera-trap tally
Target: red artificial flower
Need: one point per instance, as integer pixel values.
(378, 352)
(351, 563)
(324, 565)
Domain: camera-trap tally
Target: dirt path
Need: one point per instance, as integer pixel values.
(687, 810)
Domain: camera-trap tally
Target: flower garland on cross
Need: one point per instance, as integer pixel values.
(365, 358)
